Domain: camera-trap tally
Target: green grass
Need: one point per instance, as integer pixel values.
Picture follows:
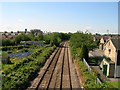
(32, 50)
(3, 52)
(13, 60)
(6, 66)
(95, 61)
(115, 84)
(9, 52)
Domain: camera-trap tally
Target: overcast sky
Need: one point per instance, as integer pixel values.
(97, 17)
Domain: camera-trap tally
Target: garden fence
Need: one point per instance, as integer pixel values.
(85, 62)
(89, 70)
(98, 81)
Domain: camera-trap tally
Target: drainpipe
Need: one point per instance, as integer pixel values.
(115, 75)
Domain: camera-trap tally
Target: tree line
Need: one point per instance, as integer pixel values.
(52, 39)
(81, 43)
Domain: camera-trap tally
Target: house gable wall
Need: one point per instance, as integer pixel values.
(110, 51)
(102, 40)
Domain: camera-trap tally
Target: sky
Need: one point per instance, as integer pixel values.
(96, 17)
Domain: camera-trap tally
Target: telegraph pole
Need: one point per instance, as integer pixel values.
(108, 34)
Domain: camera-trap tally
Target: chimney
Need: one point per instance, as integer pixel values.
(25, 30)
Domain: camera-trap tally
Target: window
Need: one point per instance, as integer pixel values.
(109, 50)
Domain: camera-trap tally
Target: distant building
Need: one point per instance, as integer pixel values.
(46, 33)
(9, 35)
(96, 37)
(36, 32)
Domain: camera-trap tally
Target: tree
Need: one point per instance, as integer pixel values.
(84, 53)
(40, 37)
(6, 42)
(21, 37)
(5, 31)
(11, 31)
(54, 41)
(80, 38)
(55, 38)
(46, 38)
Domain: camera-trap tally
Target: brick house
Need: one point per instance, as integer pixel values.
(111, 61)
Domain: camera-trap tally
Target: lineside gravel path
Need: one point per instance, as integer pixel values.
(58, 72)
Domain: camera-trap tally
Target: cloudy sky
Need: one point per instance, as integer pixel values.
(96, 17)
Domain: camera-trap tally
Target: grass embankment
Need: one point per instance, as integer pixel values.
(22, 72)
(89, 79)
(115, 84)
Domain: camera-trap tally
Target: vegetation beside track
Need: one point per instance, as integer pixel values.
(52, 39)
(89, 79)
(81, 43)
(21, 73)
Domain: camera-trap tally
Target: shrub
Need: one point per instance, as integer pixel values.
(9, 52)
(89, 78)
(24, 50)
(6, 60)
(7, 48)
(84, 53)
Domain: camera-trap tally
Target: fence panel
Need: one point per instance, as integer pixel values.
(98, 81)
(89, 70)
(85, 62)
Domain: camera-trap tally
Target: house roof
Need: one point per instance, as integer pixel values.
(106, 37)
(115, 36)
(9, 35)
(110, 36)
(116, 43)
(97, 36)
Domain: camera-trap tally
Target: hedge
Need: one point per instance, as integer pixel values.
(90, 78)
(6, 48)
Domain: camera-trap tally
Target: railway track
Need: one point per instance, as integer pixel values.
(58, 71)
